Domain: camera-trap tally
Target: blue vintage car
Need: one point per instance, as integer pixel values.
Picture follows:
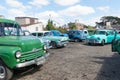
(58, 33)
(101, 37)
(77, 35)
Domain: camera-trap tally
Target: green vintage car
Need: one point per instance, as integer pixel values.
(101, 37)
(116, 43)
(56, 41)
(17, 51)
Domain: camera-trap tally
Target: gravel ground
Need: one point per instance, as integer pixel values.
(75, 62)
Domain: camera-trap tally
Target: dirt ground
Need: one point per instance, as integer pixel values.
(76, 61)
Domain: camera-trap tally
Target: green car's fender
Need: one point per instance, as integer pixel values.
(7, 55)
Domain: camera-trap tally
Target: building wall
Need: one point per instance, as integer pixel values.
(1, 16)
(33, 28)
(26, 20)
(23, 21)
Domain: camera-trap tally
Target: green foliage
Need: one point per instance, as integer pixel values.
(73, 26)
(90, 28)
(50, 25)
(63, 30)
(112, 19)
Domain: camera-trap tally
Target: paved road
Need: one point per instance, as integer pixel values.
(76, 62)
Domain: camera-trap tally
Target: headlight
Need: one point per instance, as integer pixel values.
(45, 47)
(18, 54)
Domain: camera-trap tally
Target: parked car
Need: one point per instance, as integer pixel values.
(77, 35)
(101, 37)
(116, 42)
(46, 42)
(56, 41)
(17, 51)
(58, 33)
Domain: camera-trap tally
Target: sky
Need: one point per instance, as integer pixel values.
(61, 11)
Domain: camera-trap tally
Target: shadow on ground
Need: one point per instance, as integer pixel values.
(25, 71)
(110, 69)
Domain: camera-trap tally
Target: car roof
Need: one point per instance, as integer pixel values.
(104, 30)
(40, 31)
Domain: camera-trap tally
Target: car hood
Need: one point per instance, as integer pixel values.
(25, 43)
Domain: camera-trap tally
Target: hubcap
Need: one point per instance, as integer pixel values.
(2, 72)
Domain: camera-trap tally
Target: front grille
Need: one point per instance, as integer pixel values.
(92, 40)
(30, 55)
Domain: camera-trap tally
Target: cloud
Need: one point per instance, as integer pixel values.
(15, 13)
(1, 7)
(17, 4)
(66, 2)
(39, 3)
(44, 16)
(77, 11)
(47, 14)
(91, 21)
(104, 8)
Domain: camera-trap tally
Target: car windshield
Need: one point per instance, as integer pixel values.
(10, 30)
(59, 33)
(48, 34)
(100, 32)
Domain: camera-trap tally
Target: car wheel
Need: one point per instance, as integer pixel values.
(53, 44)
(103, 42)
(5, 72)
(77, 40)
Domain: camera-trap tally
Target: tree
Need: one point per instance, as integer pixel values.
(113, 20)
(50, 25)
(73, 26)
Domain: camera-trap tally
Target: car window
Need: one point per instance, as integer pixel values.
(34, 34)
(100, 32)
(48, 34)
(40, 34)
(111, 33)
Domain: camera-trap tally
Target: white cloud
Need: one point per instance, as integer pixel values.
(66, 2)
(15, 12)
(90, 21)
(14, 3)
(44, 16)
(17, 4)
(104, 8)
(39, 3)
(1, 7)
(77, 10)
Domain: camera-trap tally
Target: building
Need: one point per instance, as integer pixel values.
(30, 24)
(1, 16)
(26, 20)
(79, 26)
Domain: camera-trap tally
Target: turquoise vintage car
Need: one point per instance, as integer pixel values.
(101, 37)
(56, 41)
(116, 42)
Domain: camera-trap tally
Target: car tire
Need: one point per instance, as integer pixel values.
(5, 72)
(77, 40)
(103, 42)
(53, 44)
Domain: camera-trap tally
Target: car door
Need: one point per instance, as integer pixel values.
(110, 36)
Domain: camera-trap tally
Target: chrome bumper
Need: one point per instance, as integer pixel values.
(37, 61)
(92, 41)
(62, 44)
